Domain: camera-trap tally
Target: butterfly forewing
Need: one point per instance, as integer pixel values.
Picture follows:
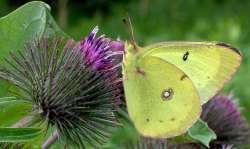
(208, 65)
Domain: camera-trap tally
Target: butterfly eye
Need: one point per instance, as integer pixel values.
(185, 56)
(167, 94)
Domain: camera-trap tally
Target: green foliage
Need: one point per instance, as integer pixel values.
(12, 112)
(11, 106)
(6, 101)
(18, 134)
(124, 136)
(201, 132)
(33, 20)
(30, 21)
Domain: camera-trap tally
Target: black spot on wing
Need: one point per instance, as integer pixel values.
(228, 46)
(185, 56)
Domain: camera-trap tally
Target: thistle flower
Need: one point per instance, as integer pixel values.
(69, 88)
(101, 52)
(224, 118)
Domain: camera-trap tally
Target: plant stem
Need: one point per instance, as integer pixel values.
(50, 140)
(21, 122)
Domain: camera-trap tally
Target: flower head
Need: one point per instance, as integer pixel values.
(67, 87)
(223, 117)
(100, 52)
(103, 54)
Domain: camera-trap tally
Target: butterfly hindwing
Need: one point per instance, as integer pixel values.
(161, 100)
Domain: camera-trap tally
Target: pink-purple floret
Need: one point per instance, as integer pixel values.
(100, 52)
(230, 110)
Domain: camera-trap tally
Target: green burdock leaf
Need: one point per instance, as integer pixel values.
(18, 134)
(12, 109)
(201, 132)
(32, 20)
(5, 101)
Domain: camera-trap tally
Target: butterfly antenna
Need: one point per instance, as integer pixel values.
(129, 26)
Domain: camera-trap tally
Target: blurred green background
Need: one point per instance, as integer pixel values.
(161, 20)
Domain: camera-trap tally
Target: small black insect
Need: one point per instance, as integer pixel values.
(185, 56)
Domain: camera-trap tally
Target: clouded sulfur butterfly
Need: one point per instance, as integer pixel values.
(166, 83)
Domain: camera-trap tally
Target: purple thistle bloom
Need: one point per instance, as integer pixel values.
(100, 53)
(224, 118)
(103, 54)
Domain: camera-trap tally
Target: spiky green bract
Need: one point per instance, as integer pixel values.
(65, 93)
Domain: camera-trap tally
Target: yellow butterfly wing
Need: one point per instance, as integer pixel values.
(159, 102)
(208, 64)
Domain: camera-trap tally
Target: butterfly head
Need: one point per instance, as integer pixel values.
(127, 22)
